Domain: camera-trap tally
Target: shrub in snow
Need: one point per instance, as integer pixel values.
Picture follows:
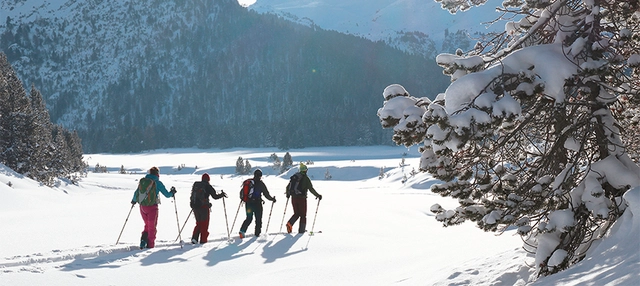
(530, 132)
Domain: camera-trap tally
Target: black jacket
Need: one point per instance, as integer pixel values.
(259, 186)
(210, 192)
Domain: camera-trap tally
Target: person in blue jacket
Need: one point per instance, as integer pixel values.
(149, 208)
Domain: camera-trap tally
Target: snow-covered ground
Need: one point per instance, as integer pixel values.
(368, 231)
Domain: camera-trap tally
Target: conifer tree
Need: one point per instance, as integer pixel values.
(16, 121)
(247, 167)
(529, 133)
(74, 145)
(240, 166)
(287, 162)
(29, 143)
(41, 129)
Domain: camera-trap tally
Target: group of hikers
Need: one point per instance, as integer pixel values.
(149, 188)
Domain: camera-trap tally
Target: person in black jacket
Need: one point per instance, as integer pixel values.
(253, 203)
(201, 207)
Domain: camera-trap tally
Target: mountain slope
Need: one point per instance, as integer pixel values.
(133, 75)
(420, 26)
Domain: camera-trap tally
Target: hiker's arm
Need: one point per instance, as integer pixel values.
(212, 193)
(163, 190)
(313, 191)
(266, 193)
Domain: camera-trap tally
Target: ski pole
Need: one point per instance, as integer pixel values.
(314, 218)
(284, 214)
(234, 219)
(175, 206)
(226, 219)
(266, 230)
(125, 223)
(185, 223)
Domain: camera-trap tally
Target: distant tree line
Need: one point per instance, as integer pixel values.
(29, 143)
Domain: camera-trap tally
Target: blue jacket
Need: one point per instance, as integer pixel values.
(160, 188)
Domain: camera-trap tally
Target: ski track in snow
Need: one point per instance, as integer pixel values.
(107, 254)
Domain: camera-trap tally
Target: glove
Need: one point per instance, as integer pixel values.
(224, 194)
(274, 199)
(173, 191)
(288, 196)
(133, 202)
(319, 197)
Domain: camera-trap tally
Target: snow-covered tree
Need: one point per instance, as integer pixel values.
(277, 165)
(247, 167)
(529, 134)
(41, 128)
(240, 166)
(28, 142)
(287, 162)
(327, 175)
(15, 121)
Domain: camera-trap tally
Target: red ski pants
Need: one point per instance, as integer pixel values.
(202, 224)
(299, 211)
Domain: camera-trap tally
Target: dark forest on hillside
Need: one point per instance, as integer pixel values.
(208, 74)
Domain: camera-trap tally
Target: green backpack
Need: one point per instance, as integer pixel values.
(147, 194)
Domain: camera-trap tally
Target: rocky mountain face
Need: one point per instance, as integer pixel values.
(138, 75)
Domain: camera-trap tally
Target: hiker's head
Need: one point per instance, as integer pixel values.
(257, 173)
(154, 171)
(303, 167)
(205, 177)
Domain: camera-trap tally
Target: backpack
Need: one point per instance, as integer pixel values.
(147, 194)
(293, 188)
(247, 190)
(198, 195)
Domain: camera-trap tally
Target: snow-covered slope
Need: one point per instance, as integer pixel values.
(374, 231)
(386, 20)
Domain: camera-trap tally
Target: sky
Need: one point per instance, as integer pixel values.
(367, 230)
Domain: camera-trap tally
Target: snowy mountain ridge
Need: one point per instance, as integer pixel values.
(412, 25)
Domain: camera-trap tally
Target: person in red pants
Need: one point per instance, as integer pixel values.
(201, 207)
(299, 201)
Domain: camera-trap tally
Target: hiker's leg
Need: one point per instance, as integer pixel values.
(150, 217)
(296, 214)
(204, 229)
(198, 214)
(303, 215)
(258, 214)
(247, 221)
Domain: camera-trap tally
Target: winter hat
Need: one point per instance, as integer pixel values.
(303, 167)
(257, 173)
(154, 171)
(205, 177)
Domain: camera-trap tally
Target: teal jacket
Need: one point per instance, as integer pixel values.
(160, 188)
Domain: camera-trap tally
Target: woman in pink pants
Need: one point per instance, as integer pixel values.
(149, 206)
